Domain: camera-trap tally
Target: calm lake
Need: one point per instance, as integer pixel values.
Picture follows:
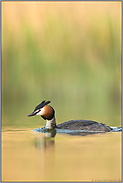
(32, 156)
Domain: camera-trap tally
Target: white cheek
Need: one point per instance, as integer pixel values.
(40, 112)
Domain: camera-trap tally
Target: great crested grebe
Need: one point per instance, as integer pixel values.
(48, 113)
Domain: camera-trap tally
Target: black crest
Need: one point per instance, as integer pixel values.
(41, 105)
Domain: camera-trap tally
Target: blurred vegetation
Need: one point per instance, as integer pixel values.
(69, 53)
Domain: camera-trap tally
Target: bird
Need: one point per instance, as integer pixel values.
(47, 112)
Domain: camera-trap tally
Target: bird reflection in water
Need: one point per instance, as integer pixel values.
(45, 141)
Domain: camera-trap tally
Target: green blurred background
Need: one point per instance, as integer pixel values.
(66, 52)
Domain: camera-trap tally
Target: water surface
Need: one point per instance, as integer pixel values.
(31, 156)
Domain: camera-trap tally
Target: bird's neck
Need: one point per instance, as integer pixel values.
(51, 123)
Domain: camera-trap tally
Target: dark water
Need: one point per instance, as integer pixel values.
(33, 156)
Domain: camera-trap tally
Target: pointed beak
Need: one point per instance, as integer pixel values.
(32, 114)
